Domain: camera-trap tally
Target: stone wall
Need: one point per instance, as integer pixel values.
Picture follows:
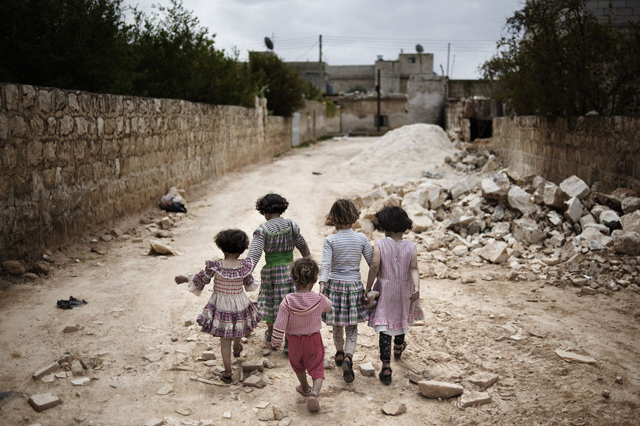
(72, 160)
(596, 149)
(312, 121)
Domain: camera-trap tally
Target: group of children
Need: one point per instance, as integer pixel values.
(292, 311)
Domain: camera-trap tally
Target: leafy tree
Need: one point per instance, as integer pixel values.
(285, 88)
(75, 44)
(557, 59)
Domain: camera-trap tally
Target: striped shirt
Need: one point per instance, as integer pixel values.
(341, 255)
(300, 314)
(276, 225)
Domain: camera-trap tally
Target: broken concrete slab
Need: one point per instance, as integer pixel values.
(495, 252)
(44, 401)
(520, 200)
(459, 188)
(367, 369)
(553, 196)
(436, 389)
(574, 357)
(471, 399)
(574, 210)
(527, 231)
(165, 390)
(575, 187)
(483, 380)
(48, 369)
(496, 187)
(394, 408)
(254, 382)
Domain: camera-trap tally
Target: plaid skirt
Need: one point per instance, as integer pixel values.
(275, 284)
(346, 300)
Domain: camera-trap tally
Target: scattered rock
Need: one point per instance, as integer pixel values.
(254, 382)
(435, 389)
(13, 267)
(81, 381)
(48, 369)
(394, 408)
(483, 380)
(626, 243)
(367, 369)
(520, 200)
(575, 187)
(44, 401)
(165, 390)
(253, 364)
(470, 399)
(494, 253)
(278, 412)
(574, 357)
(208, 355)
(72, 328)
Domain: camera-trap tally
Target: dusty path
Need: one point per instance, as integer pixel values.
(135, 309)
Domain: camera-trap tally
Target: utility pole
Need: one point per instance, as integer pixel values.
(321, 71)
(379, 118)
(320, 42)
(448, 52)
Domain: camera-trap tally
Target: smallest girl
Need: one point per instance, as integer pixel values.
(300, 317)
(395, 265)
(229, 314)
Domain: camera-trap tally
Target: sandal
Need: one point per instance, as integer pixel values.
(338, 361)
(398, 349)
(347, 369)
(226, 379)
(239, 352)
(267, 336)
(385, 378)
(302, 392)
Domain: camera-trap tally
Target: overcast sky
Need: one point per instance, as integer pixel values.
(355, 32)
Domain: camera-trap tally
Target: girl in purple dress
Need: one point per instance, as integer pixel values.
(394, 269)
(229, 314)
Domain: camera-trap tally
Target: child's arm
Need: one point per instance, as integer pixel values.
(301, 243)
(325, 264)
(202, 278)
(326, 303)
(280, 326)
(374, 268)
(249, 284)
(256, 248)
(415, 274)
(367, 251)
(181, 279)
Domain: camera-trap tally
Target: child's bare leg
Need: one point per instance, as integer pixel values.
(317, 385)
(237, 344)
(225, 349)
(302, 378)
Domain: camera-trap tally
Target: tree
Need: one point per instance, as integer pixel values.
(74, 44)
(285, 88)
(557, 59)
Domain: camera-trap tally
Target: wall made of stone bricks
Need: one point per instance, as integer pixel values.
(597, 149)
(70, 161)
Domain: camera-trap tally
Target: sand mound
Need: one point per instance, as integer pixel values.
(407, 151)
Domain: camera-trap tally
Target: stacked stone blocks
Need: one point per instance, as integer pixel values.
(72, 160)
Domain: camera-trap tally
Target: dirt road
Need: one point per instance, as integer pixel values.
(135, 311)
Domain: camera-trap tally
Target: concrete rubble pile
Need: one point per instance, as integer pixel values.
(566, 234)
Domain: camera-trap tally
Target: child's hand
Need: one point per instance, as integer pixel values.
(180, 279)
(415, 296)
(322, 284)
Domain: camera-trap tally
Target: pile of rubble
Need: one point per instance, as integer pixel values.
(562, 234)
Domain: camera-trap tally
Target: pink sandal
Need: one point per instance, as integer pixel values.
(302, 392)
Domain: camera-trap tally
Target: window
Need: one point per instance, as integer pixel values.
(412, 60)
(384, 122)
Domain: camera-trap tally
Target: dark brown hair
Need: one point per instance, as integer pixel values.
(393, 219)
(272, 203)
(232, 241)
(304, 271)
(343, 212)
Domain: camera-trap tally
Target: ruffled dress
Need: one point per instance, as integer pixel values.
(229, 312)
(395, 311)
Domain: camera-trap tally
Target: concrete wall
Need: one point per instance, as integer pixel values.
(469, 88)
(602, 149)
(358, 113)
(346, 77)
(70, 161)
(312, 121)
(426, 97)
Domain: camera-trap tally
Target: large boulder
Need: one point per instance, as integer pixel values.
(619, 195)
(553, 196)
(495, 252)
(631, 222)
(630, 205)
(573, 210)
(575, 187)
(421, 223)
(610, 219)
(626, 242)
(496, 187)
(436, 195)
(527, 231)
(520, 200)
(592, 234)
(459, 188)
(13, 267)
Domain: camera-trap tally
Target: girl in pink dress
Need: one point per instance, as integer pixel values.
(394, 269)
(229, 314)
(300, 317)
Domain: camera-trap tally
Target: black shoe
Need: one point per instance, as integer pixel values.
(347, 369)
(385, 378)
(335, 358)
(398, 349)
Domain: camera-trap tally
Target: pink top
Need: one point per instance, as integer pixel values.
(299, 314)
(394, 310)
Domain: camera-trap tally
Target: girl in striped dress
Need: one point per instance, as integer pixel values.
(395, 265)
(340, 282)
(277, 238)
(229, 314)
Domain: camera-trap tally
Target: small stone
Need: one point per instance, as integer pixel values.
(49, 378)
(460, 250)
(265, 416)
(174, 338)
(278, 412)
(587, 291)
(184, 411)
(470, 399)
(268, 364)
(187, 323)
(468, 279)
(154, 357)
(76, 368)
(226, 415)
(254, 364)
(394, 408)
(165, 222)
(51, 368)
(328, 364)
(165, 390)
(13, 267)
(154, 422)
(483, 380)
(262, 405)
(367, 369)
(619, 380)
(81, 381)
(208, 355)
(494, 253)
(254, 382)
(44, 401)
(285, 422)
(606, 394)
(435, 389)
(71, 328)
(573, 357)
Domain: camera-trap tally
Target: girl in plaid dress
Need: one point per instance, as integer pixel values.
(340, 282)
(277, 238)
(395, 272)
(229, 314)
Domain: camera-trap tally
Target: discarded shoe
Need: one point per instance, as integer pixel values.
(71, 303)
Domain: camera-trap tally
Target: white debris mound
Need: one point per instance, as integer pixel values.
(407, 151)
